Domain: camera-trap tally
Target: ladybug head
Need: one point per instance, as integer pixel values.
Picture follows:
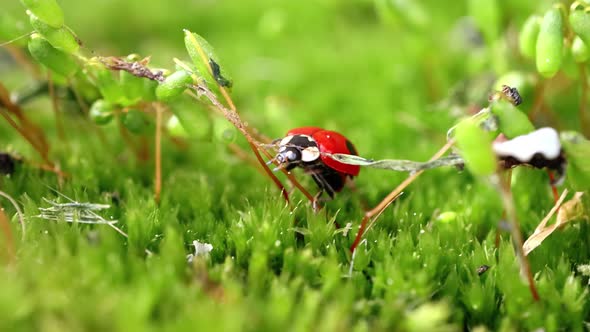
(295, 150)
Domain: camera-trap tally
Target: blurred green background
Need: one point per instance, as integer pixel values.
(392, 76)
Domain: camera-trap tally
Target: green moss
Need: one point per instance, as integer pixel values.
(338, 65)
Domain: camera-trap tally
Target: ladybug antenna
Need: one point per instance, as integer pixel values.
(279, 167)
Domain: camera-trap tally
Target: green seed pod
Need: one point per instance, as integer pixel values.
(51, 57)
(61, 38)
(580, 23)
(48, 11)
(549, 51)
(173, 85)
(527, 39)
(476, 147)
(577, 151)
(580, 50)
(511, 121)
(137, 122)
(487, 16)
(101, 112)
(175, 128)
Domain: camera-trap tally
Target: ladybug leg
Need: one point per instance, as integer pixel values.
(316, 201)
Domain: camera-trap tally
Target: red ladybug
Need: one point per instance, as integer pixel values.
(307, 147)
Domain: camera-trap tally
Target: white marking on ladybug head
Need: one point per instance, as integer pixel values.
(544, 141)
(310, 154)
(285, 141)
(297, 148)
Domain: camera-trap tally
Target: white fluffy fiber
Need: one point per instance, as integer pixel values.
(544, 141)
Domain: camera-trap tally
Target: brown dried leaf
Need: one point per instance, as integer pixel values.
(570, 210)
(537, 238)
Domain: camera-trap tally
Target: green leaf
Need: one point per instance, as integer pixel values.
(476, 147)
(54, 59)
(208, 65)
(109, 87)
(577, 151)
(511, 121)
(61, 38)
(48, 11)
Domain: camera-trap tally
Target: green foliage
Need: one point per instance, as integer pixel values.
(48, 11)
(101, 112)
(527, 39)
(580, 23)
(511, 121)
(174, 85)
(60, 38)
(137, 121)
(380, 72)
(577, 148)
(476, 147)
(54, 59)
(487, 15)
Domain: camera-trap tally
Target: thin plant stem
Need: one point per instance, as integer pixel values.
(5, 226)
(393, 195)
(508, 202)
(234, 118)
(26, 129)
(583, 112)
(158, 175)
(19, 213)
(56, 111)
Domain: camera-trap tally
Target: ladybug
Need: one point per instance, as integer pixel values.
(308, 148)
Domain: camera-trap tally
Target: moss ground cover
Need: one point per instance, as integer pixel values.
(392, 77)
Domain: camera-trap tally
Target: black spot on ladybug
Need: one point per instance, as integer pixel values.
(351, 147)
(217, 74)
